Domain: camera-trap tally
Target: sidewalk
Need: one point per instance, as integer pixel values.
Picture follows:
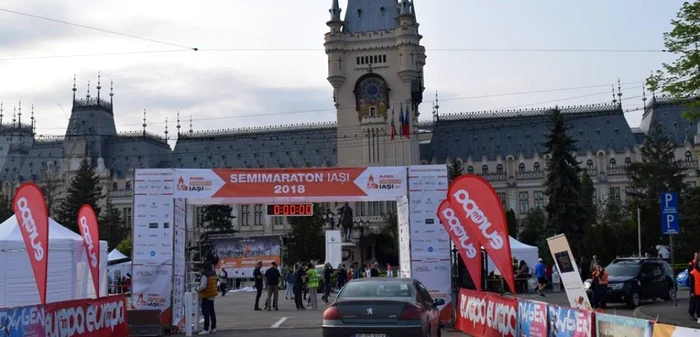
(668, 313)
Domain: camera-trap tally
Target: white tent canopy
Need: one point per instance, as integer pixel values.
(68, 273)
(520, 251)
(115, 255)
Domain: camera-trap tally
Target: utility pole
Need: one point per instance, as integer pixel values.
(639, 230)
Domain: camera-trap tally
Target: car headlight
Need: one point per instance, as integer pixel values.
(586, 285)
(616, 286)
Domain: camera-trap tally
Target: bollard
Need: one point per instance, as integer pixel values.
(188, 314)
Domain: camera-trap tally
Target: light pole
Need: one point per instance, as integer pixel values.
(639, 230)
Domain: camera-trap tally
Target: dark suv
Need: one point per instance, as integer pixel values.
(632, 280)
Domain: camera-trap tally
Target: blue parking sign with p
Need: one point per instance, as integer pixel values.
(669, 213)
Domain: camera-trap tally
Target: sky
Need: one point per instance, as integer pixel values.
(262, 62)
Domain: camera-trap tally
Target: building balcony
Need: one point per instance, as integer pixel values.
(529, 175)
(690, 164)
(617, 171)
(119, 193)
(494, 176)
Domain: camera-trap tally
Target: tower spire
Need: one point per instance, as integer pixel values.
(33, 121)
(99, 87)
(436, 107)
(111, 91)
(1, 114)
(335, 11)
(14, 116)
(144, 122)
(614, 96)
(166, 129)
(74, 88)
(644, 96)
(190, 124)
(88, 93)
(19, 114)
(619, 91)
(178, 124)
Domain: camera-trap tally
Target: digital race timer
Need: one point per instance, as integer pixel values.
(290, 210)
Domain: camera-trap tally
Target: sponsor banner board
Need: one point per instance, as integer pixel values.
(101, 317)
(404, 237)
(612, 325)
(153, 230)
(179, 267)
(334, 247)
(533, 319)
(152, 287)
(291, 185)
(569, 322)
(153, 182)
(665, 330)
(239, 255)
(487, 314)
(568, 271)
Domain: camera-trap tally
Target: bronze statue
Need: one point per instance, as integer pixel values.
(346, 220)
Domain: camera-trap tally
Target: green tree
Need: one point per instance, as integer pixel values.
(388, 240)
(686, 243)
(84, 189)
(454, 170)
(512, 222)
(606, 238)
(590, 210)
(51, 187)
(681, 78)
(306, 240)
(657, 172)
(562, 184)
(125, 246)
(218, 217)
(533, 226)
(5, 208)
(112, 227)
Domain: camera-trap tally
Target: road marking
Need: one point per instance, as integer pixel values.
(278, 323)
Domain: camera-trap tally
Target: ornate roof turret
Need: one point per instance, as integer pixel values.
(335, 11)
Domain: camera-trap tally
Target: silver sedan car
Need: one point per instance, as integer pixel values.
(383, 307)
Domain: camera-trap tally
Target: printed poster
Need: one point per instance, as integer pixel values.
(152, 287)
(665, 330)
(569, 322)
(404, 237)
(568, 271)
(533, 319)
(239, 255)
(613, 326)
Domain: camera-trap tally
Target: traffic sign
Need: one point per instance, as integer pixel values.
(669, 213)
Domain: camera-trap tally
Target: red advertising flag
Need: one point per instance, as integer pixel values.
(463, 239)
(478, 206)
(89, 230)
(33, 220)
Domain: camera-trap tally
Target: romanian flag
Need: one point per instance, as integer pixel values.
(393, 126)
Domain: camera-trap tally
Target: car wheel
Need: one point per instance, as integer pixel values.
(670, 294)
(634, 300)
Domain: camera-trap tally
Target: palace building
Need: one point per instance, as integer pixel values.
(376, 69)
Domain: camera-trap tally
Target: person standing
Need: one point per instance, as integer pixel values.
(272, 277)
(299, 276)
(374, 272)
(289, 279)
(313, 286)
(582, 265)
(223, 278)
(600, 286)
(342, 276)
(541, 274)
(389, 271)
(258, 276)
(694, 284)
(207, 294)
(327, 281)
(594, 262)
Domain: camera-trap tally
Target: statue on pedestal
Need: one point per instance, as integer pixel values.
(346, 220)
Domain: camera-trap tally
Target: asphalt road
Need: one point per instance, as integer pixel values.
(316, 332)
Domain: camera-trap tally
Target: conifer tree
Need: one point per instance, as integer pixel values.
(218, 217)
(85, 188)
(562, 184)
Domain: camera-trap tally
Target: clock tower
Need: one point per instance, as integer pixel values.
(375, 65)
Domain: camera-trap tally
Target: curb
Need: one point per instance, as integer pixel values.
(267, 328)
(639, 314)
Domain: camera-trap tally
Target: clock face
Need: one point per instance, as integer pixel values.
(371, 89)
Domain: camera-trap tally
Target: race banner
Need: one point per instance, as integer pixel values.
(665, 330)
(22, 322)
(533, 319)
(469, 249)
(487, 314)
(477, 204)
(89, 230)
(430, 242)
(613, 325)
(239, 255)
(32, 216)
(101, 317)
(568, 271)
(569, 322)
(291, 185)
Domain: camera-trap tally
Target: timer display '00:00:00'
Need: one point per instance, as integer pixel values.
(290, 210)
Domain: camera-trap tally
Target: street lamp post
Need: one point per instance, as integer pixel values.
(639, 230)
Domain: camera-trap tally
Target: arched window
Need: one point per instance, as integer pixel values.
(115, 186)
(628, 161)
(499, 169)
(589, 164)
(613, 163)
(485, 169)
(688, 156)
(521, 168)
(537, 167)
(128, 186)
(470, 169)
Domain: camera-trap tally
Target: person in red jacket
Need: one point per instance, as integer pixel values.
(694, 284)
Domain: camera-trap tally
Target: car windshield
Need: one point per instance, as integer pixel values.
(377, 289)
(624, 269)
